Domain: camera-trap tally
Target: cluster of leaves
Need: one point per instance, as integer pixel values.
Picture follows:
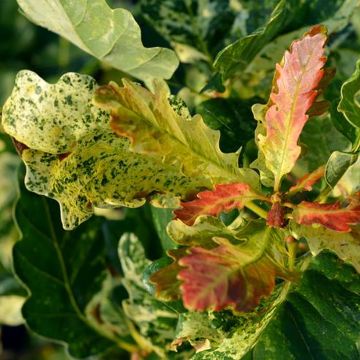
(262, 259)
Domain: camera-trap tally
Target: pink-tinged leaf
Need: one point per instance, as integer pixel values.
(295, 89)
(224, 197)
(332, 216)
(306, 182)
(224, 277)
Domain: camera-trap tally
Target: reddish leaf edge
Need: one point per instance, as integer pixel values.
(224, 198)
(333, 216)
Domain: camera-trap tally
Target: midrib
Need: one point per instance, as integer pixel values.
(288, 123)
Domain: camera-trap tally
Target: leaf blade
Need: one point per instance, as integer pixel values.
(224, 197)
(110, 35)
(41, 264)
(72, 155)
(230, 276)
(168, 132)
(332, 216)
(293, 94)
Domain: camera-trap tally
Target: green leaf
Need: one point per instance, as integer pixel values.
(62, 272)
(201, 25)
(337, 165)
(237, 56)
(255, 54)
(318, 140)
(348, 104)
(338, 118)
(112, 36)
(296, 322)
(75, 158)
(232, 117)
(168, 133)
(349, 183)
(162, 218)
(345, 245)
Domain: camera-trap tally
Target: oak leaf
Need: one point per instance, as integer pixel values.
(73, 156)
(224, 197)
(332, 216)
(231, 276)
(162, 127)
(296, 81)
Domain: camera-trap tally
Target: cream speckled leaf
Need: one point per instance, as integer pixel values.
(156, 321)
(52, 117)
(345, 245)
(112, 36)
(167, 132)
(75, 158)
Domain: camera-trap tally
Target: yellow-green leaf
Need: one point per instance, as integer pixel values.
(168, 133)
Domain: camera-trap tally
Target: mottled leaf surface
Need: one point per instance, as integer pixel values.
(332, 216)
(168, 133)
(156, 321)
(112, 36)
(345, 245)
(73, 156)
(201, 25)
(294, 92)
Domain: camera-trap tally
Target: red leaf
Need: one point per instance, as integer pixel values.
(217, 279)
(306, 182)
(225, 197)
(295, 89)
(331, 216)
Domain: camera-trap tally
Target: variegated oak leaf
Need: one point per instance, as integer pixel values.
(231, 276)
(345, 245)
(296, 81)
(332, 216)
(168, 133)
(73, 156)
(224, 197)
